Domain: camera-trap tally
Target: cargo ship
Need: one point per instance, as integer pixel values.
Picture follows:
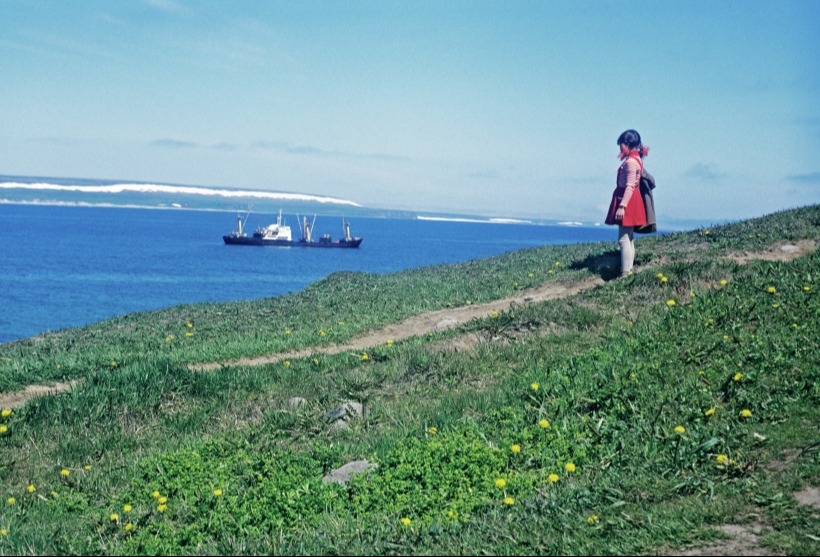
(279, 234)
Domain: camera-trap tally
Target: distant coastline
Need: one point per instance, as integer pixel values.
(84, 192)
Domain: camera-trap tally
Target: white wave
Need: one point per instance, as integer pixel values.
(570, 223)
(179, 190)
(484, 221)
(511, 221)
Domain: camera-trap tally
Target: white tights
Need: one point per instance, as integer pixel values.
(626, 240)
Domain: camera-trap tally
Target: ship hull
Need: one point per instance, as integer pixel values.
(254, 241)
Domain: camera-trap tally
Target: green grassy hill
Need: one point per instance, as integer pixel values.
(631, 418)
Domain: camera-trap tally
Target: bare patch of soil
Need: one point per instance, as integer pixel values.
(779, 252)
(809, 497)
(19, 398)
(742, 541)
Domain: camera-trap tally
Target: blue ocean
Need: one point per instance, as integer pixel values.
(65, 266)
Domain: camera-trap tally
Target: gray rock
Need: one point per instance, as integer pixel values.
(347, 410)
(342, 475)
(789, 248)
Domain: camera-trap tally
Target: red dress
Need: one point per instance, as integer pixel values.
(627, 189)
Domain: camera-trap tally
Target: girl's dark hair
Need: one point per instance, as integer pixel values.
(633, 140)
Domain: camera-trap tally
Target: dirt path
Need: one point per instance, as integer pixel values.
(417, 325)
(420, 324)
(424, 323)
(19, 398)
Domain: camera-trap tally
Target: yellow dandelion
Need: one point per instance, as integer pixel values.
(365, 357)
(530, 275)
(724, 282)
(432, 430)
(500, 483)
(406, 521)
(113, 363)
(4, 532)
(287, 331)
(659, 275)
(7, 412)
(162, 508)
(569, 467)
(11, 500)
(670, 303)
(775, 306)
(31, 488)
(515, 449)
(710, 412)
(162, 500)
(592, 519)
(509, 501)
(321, 333)
(664, 279)
(127, 508)
(551, 272)
(771, 290)
(745, 413)
(534, 386)
(553, 478)
(189, 334)
(87, 467)
(806, 288)
(544, 424)
(4, 428)
(217, 492)
(557, 263)
(155, 494)
(287, 363)
(113, 517)
(494, 313)
(737, 376)
(169, 338)
(65, 472)
(389, 342)
(706, 232)
(680, 429)
(128, 527)
(722, 459)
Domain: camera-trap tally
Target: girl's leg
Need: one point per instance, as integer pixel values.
(627, 243)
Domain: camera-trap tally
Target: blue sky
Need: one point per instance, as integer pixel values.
(506, 108)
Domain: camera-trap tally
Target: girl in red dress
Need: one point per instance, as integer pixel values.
(627, 209)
